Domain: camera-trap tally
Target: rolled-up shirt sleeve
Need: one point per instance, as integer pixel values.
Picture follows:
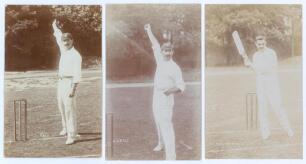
(178, 78)
(77, 69)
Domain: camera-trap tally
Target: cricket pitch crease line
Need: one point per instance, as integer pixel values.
(41, 139)
(255, 141)
(137, 85)
(187, 146)
(254, 147)
(89, 79)
(35, 107)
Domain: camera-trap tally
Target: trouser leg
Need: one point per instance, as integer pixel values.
(69, 103)
(262, 113)
(60, 102)
(276, 105)
(157, 124)
(70, 117)
(167, 132)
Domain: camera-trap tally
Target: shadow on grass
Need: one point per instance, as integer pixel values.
(88, 139)
(97, 134)
(89, 134)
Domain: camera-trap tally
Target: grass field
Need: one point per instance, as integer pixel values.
(44, 120)
(134, 133)
(226, 134)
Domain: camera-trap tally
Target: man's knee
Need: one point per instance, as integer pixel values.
(166, 122)
(68, 108)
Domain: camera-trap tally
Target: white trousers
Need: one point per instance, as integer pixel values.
(162, 111)
(268, 95)
(66, 106)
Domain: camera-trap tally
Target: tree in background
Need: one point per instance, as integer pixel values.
(278, 22)
(129, 52)
(29, 41)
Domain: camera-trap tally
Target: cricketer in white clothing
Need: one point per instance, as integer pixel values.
(167, 82)
(69, 76)
(267, 84)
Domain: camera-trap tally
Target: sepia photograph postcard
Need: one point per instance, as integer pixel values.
(253, 76)
(53, 81)
(153, 82)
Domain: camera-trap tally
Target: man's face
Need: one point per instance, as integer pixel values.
(260, 44)
(68, 43)
(167, 54)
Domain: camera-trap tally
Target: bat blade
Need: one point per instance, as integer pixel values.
(238, 43)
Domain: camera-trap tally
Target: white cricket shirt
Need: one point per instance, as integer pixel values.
(70, 64)
(265, 62)
(168, 74)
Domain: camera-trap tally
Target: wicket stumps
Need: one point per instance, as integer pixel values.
(251, 110)
(20, 109)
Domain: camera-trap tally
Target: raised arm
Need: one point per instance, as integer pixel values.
(57, 34)
(154, 42)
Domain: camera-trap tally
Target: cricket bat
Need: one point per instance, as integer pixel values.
(238, 43)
